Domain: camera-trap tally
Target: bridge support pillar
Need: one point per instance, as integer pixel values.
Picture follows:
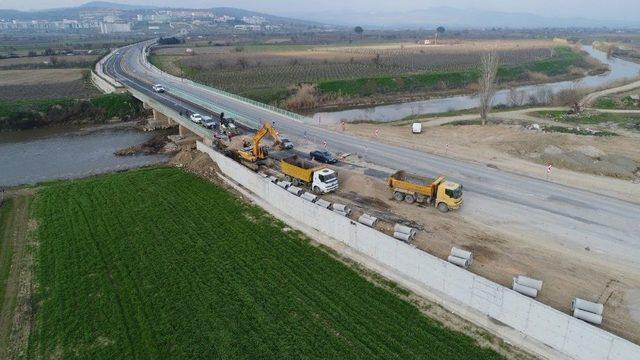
(184, 132)
(146, 106)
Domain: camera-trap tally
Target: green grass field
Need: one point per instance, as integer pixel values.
(158, 263)
(563, 59)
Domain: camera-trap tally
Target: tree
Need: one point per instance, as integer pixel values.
(439, 31)
(358, 30)
(487, 83)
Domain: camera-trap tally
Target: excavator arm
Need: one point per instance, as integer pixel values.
(257, 152)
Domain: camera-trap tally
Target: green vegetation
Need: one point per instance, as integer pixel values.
(577, 131)
(28, 114)
(158, 263)
(560, 63)
(605, 103)
(618, 102)
(627, 121)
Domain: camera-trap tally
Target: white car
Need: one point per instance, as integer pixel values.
(158, 88)
(196, 118)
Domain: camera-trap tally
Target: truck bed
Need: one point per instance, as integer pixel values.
(298, 168)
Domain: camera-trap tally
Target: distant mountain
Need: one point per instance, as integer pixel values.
(452, 17)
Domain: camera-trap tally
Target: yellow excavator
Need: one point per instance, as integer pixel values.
(253, 151)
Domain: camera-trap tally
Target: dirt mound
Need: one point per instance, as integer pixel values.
(157, 144)
(197, 163)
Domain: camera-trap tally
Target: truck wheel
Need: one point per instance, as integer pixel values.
(443, 207)
(409, 199)
(398, 196)
(316, 190)
(296, 182)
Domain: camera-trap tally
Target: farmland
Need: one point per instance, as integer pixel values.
(160, 263)
(45, 84)
(347, 73)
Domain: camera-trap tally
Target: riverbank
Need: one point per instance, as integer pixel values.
(100, 109)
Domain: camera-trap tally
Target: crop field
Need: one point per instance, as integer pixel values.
(45, 84)
(38, 62)
(158, 263)
(254, 70)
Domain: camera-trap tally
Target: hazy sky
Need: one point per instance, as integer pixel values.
(595, 9)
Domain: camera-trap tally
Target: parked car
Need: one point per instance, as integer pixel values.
(158, 88)
(196, 118)
(286, 143)
(323, 156)
(208, 122)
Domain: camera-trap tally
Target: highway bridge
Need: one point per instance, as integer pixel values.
(565, 216)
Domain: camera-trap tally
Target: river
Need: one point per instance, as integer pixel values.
(32, 156)
(618, 69)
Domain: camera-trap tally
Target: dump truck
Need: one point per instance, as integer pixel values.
(299, 171)
(438, 192)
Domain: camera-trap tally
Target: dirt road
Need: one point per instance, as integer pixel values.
(501, 255)
(14, 231)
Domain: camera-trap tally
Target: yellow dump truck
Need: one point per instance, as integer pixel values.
(320, 179)
(445, 195)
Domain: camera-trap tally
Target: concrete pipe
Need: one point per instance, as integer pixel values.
(462, 254)
(403, 229)
(323, 203)
(367, 220)
(283, 184)
(463, 263)
(529, 282)
(295, 190)
(273, 179)
(585, 305)
(587, 316)
(309, 197)
(524, 290)
(402, 236)
(342, 208)
(345, 214)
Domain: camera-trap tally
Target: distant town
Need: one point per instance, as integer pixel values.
(112, 20)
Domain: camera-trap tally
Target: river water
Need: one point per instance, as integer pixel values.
(29, 157)
(619, 69)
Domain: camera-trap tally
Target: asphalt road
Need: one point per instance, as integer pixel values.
(555, 214)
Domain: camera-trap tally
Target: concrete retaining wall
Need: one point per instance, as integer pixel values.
(449, 283)
(104, 82)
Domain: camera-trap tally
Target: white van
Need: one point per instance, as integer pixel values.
(416, 128)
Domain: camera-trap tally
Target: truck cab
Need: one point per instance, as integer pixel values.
(324, 181)
(320, 179)
(449, 196)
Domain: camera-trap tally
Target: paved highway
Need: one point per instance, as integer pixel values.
(555, 214)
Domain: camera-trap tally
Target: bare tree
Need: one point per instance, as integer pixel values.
(487, 83)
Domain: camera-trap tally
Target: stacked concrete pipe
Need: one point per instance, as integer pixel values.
(587, 311)
(460, 257)
(404, 233)
(341, 209)
(526, 285)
